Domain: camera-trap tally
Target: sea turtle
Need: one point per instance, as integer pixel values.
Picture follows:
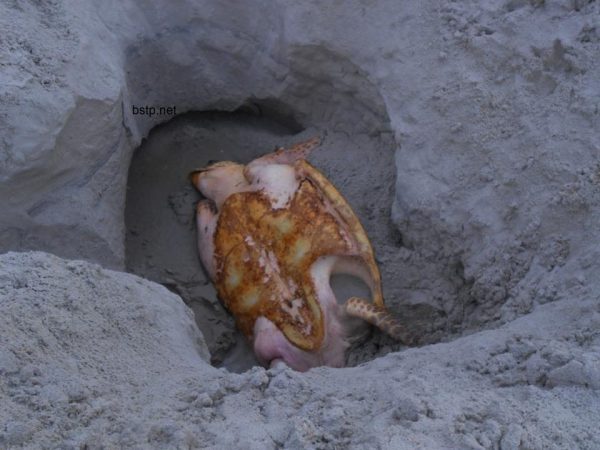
(270, 235)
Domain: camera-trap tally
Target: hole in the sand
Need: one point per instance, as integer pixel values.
(319, 91)
(161, 242)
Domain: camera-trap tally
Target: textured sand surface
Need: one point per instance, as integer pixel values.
(466, 135)
(97, 358)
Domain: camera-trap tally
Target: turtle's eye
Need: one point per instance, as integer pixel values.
(211, 162)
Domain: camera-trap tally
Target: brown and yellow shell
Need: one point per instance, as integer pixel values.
(263, 258)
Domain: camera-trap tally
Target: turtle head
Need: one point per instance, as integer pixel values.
(219, 180)
(271, 347)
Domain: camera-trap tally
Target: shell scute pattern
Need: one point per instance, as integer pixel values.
(284, 243)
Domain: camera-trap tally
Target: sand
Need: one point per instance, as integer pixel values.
(465, 135)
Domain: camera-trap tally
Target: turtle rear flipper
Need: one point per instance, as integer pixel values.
(379, 317)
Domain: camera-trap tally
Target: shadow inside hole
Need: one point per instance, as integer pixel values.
(346, 286)
(240, 357)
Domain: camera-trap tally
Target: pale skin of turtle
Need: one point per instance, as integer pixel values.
(282, 180)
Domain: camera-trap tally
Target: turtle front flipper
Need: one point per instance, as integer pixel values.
(282, 156)
(301, 150)
(380, 317)
(346, 214)
(206, 223)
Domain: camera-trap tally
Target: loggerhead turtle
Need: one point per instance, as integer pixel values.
(270, 235)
